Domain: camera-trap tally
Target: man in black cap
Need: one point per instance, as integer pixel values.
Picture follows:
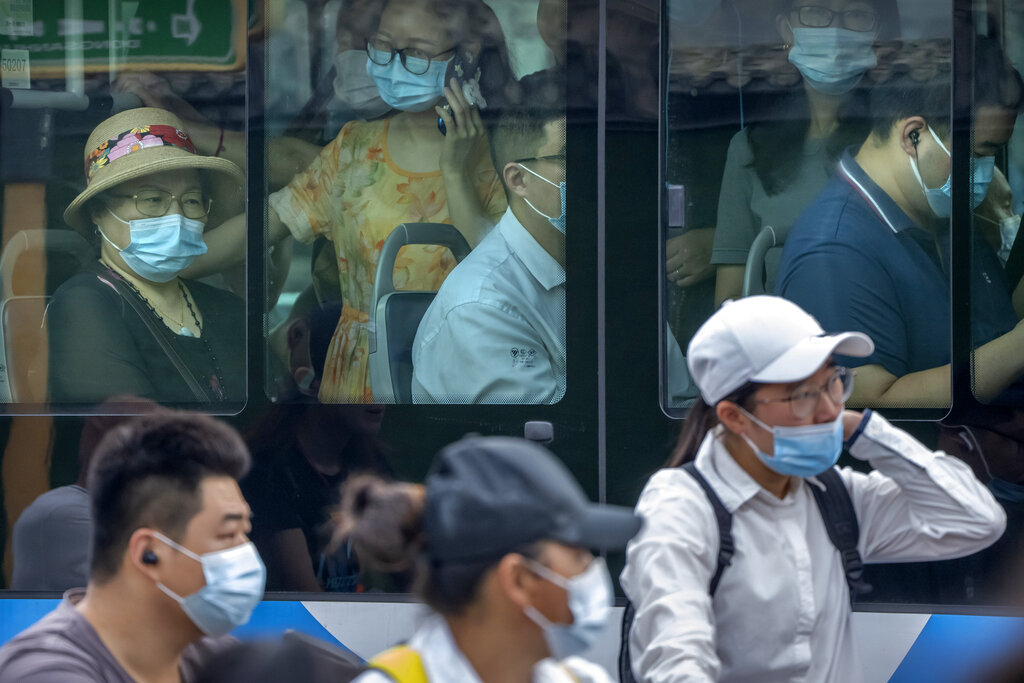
(501, 538)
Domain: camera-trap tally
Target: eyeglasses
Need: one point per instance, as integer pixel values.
(549, 157)
(804, 399)
(155, 203)
(813, 16)
(415, 61)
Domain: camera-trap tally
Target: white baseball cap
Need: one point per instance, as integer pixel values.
(763, 339)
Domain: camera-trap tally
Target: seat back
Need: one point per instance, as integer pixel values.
(23, 375)
(23, 338)
(763, 261)
(395, 315)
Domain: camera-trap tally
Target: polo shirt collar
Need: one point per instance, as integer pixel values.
(881, 203)
(548, 272)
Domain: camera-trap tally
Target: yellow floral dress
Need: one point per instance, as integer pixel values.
(355, 195)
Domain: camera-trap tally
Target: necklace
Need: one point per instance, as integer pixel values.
(216, 381)
(179, 320)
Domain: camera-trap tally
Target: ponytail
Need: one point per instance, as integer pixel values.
(383, 520)
(385, 523)
(700, 420)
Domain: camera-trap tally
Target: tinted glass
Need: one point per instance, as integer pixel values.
(107, 286)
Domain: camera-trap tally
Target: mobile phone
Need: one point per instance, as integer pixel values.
(440, 120)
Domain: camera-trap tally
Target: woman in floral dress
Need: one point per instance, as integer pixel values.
(377, 174)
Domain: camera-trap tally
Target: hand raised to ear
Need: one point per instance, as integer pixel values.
(464, 129)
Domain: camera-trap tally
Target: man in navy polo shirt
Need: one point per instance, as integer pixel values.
(871, 253)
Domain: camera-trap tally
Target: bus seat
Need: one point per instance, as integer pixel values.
(395, 314)
(763, 261)
(23, 306)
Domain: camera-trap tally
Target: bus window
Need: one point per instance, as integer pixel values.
(775, 115)
(392, 174)
(108, 288)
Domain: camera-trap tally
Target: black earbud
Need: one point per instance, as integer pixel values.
(149, 557)
(915, 138)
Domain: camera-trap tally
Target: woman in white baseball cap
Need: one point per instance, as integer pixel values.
(770, 424)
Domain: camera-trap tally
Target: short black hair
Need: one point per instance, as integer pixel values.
(518, 131)
(903, 97)
(996, 84)
(1001, 85)
(147, 473)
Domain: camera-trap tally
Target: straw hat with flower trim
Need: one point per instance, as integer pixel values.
(136, 143)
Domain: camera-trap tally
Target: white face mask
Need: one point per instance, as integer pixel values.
(590, 601)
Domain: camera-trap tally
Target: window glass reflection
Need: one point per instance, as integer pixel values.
(422, 92)
(158, 335)
(114, 177)
(796, 103)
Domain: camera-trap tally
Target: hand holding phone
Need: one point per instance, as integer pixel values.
(440, 120)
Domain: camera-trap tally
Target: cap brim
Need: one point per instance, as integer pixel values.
(804, 359)
(605, 527)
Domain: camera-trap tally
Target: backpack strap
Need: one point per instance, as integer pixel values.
(402, 664)
(625, 662)
(840, 519)
(725, 553)
(724, 519)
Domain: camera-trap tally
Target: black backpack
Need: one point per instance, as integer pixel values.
(840, 521)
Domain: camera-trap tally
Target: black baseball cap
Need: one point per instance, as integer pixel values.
(487, 496)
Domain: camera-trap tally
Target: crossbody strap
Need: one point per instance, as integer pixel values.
(113, 280)
(401, 664)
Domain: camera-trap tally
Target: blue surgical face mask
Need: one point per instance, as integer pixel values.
(1008, 229)
(801, 451)
(234, 586)
(559, 222)
(354, 91)
(941, 199)
(832, 59)
(590, 601)
(404, 90)
(161, 247)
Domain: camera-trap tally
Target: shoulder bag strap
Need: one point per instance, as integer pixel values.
(113, 280)
(841, 524)
(402, 664)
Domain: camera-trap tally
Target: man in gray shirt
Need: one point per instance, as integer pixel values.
(53, 536)
(172, 567)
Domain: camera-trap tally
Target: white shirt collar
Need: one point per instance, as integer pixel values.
(540, 263)
(730, 481)
(442, 659)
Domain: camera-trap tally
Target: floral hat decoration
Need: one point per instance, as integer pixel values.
(136, 143)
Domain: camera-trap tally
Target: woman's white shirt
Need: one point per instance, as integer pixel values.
(781, 611)
(444, 662)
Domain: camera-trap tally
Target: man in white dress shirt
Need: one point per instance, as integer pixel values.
(495, 333)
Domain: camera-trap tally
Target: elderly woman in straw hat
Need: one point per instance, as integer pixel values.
(130, 324)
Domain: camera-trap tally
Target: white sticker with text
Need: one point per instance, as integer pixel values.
(15, 69)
